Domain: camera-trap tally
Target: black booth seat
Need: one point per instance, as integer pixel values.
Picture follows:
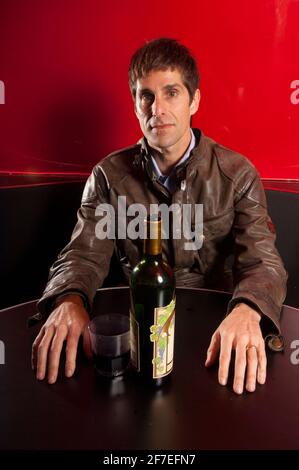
(283, 208)
(37, 221)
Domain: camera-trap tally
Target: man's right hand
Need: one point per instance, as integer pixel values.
(67, 322)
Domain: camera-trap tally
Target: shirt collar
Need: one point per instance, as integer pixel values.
(182, 160)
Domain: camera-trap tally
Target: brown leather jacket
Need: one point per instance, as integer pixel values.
(238, 252)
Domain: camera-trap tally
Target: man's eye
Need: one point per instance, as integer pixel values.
(172, 92)
(146, 97)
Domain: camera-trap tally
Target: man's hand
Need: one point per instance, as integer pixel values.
(240, 331)
(67, 322)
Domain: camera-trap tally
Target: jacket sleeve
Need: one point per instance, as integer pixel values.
(259, 274)
(84, 263)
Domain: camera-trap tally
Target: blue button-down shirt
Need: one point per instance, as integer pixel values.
(169, 180)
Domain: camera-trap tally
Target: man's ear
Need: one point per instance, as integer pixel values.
(195, 102)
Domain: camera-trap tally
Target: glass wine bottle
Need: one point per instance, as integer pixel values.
(152, 314)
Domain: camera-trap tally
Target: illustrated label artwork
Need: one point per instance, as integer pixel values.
(162, 335)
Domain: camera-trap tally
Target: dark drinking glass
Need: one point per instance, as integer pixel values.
(110, 343)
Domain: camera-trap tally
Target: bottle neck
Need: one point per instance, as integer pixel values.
(152, 247)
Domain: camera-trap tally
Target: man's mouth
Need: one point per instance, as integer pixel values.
(162, 126)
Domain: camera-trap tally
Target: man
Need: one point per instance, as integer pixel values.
(173, 164)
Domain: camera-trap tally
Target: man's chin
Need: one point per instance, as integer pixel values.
(160, 141)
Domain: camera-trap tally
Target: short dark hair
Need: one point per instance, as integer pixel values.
(161, 54)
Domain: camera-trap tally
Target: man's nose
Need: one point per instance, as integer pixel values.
(158, 106)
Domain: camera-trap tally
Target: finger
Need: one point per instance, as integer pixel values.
(71, 351)
(35, 346)
(42, 352)
(224, 358)
(54, 357)
(213, 349)
(87, 343)
(262, 363)
(240, 367)
(251, 369)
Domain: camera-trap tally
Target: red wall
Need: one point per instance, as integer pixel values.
(63, 68)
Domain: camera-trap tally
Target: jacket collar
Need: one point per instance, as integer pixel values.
(143, 159)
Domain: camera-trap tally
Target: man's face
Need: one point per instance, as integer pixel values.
(163, 107)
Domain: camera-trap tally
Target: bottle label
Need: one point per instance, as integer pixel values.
(162, 335)
(134, 340)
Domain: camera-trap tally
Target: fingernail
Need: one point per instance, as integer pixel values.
(222, 381)
(239, 389)
(51, 379)
(69, 372)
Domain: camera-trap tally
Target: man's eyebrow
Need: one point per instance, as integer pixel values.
(174, 85)
(165, 87)
(144, 90)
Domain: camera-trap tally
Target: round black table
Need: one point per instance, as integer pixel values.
(192, 412)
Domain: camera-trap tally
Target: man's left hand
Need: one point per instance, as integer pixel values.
(240, 331)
